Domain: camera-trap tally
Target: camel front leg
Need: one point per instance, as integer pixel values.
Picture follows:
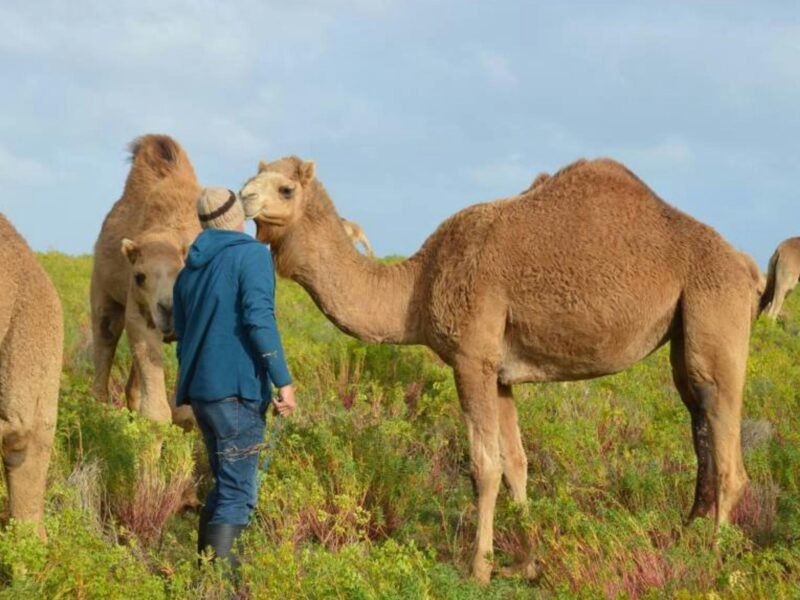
(133, 390)
(515, 474)
(145, 343)
(108, 319)
(477, 391)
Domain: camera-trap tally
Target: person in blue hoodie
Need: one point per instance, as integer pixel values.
(230, 355)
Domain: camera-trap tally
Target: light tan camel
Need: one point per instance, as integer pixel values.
(582, 276)
(140, 249)
(357, 235)
(31, 338)
(782, 277)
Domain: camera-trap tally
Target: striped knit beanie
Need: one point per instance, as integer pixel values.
(219, 208)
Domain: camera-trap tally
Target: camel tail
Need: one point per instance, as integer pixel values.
(769, 292)
(155, 156)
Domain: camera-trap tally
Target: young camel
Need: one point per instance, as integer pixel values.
(139, 251)
(583, 275)
(31, 336)
(782, 277)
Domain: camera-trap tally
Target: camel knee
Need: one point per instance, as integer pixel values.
(15, 448)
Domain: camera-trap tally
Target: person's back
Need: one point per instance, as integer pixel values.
(224, 293)
(230, 355)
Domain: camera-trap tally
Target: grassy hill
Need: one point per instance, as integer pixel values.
(368, 493)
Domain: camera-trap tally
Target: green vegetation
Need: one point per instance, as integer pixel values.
(368, 495)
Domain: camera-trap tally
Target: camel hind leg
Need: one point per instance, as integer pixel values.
(716, 335)
(697, 404)
(512, 453)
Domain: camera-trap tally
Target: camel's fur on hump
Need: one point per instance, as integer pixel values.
(782, 276)
(31, 337)
(140, 249)
(584, 274)
(357, 236)
(539, 180)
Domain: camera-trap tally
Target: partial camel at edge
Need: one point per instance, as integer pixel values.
(31, 351)
(782, 276)
(357, 236)
(583, 275)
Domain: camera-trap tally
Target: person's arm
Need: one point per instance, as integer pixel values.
(257, 289)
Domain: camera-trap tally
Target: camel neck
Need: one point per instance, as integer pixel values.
(371, 301)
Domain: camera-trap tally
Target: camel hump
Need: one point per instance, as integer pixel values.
(158, 154)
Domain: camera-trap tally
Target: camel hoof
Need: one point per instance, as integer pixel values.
(190, 502)
(482, 572)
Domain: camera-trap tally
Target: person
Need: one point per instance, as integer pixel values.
(229, 355)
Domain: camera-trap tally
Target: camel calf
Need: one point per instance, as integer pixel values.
(140, 249)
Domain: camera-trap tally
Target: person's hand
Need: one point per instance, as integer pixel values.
(285, 403)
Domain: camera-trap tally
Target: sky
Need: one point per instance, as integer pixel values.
(411, 110)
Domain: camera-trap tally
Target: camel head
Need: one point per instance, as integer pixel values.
(278, 196)
(155, 262)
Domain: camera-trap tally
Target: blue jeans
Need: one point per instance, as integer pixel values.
(232, 429)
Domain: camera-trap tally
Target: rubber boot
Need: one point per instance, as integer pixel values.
(202, 541)
(222, 537)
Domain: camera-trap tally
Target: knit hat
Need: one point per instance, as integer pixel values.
(219, 208)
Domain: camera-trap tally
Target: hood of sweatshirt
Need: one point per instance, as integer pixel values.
(213, 241)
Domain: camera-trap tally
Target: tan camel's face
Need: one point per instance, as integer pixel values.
(154, 268)
(275, 198)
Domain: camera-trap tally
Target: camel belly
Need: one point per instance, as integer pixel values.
(566, 348)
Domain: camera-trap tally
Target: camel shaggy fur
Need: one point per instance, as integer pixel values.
(140, 249)
(782, 276)
(31, 337)
(357, 236)
(583, 275)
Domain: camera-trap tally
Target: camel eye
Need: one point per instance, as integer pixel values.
(139, 278)
(286, 191)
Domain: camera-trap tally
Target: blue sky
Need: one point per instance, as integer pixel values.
(412, 110)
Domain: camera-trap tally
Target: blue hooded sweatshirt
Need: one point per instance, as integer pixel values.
(224, 312)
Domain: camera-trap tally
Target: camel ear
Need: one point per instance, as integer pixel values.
(130, 250)
(306, 171)
(262, 166)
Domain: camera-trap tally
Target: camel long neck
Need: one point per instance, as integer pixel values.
(366, 299)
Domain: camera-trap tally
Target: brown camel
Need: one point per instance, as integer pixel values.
(357, 235)
(31, 338)
(140, 249)
(782, 277)
(582, 276)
